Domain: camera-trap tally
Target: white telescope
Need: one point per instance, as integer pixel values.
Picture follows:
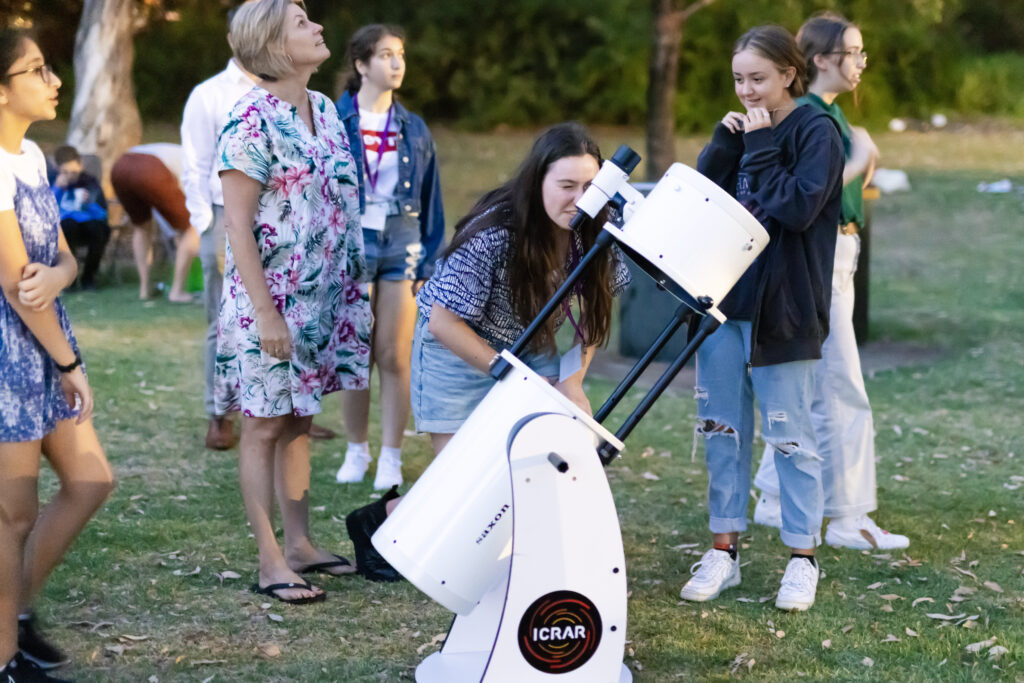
(513, 527)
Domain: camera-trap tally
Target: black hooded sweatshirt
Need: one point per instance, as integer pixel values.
(790, 178)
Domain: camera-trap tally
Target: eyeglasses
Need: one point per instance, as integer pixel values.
(44, 71)
(858, 55)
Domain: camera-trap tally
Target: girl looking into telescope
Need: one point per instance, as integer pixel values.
(46, 402)
(508, 256)
(843, 422)
(784, 163)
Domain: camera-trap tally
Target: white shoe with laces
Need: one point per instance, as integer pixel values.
(717, 572)
(861, 533)
(799, 585)
(768, 511)
(389, 472)
(354, 468)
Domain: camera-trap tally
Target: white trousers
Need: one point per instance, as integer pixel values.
(841, 413)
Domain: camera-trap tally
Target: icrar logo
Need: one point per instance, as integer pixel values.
(560, 632)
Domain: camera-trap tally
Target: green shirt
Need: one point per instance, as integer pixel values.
(853, 196)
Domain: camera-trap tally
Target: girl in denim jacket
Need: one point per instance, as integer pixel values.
(403, 229)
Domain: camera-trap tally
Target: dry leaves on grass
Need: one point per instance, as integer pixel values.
(439, 638)
(981, 645)
(742, 659)
(268, 650)
(997, 652)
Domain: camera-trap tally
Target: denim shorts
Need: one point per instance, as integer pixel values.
(446, 389)
(394, 253)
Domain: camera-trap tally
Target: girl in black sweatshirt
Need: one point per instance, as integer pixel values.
(784, 163)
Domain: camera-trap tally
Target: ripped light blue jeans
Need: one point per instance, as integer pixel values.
(725, 407)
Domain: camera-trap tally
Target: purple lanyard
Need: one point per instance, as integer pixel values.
(371, 176)
(574, 259)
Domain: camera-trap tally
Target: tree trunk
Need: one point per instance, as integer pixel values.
(105, 117)
(663, 83)
(661, 88)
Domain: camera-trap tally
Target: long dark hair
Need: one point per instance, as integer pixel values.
(534, 254)
(12, 47)
(361, 47)
(777, 45)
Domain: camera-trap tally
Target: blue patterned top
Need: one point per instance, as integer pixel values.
(473, 282)
(31, 400)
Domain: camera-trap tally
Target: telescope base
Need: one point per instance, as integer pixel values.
(560, 612)
(442, 668)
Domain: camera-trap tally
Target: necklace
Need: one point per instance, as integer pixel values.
(781, 110)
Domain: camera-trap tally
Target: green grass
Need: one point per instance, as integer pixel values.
(946, 277)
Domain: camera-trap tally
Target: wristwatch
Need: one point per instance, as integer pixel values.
(65, 369)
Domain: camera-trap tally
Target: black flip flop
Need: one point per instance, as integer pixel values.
(322, 567)
(271, 592)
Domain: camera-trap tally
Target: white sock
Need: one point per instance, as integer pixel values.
(391, 452)
(358, 448)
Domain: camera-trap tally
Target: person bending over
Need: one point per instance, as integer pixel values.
(507, 258)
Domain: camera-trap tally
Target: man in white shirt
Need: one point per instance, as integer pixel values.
(206, 113)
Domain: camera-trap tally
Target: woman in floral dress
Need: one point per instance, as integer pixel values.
(294, 320)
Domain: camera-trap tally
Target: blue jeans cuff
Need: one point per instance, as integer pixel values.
(727, 525)
(801, 540)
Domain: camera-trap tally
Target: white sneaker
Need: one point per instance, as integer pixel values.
(354, 467)
(799, 584)
(389, 472)
(861, 533)
(717, 572)
(768, 511)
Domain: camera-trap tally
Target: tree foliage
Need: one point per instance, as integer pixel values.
(528, 62)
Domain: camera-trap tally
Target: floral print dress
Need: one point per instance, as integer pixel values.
(31, 398)
(310, 242)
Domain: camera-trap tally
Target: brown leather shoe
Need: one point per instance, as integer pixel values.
(221, 434)
(321, 433)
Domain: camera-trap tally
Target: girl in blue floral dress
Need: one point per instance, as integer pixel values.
(294, 322)
(45, 399)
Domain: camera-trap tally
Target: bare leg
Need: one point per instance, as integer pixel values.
(731, 538)
(439, 441)
(291, 474)
(142, 250)
(355, 411)
(394, 324)
(19, 504)
(188, 249)
(355, 404)
(86, 481)
(256, 455)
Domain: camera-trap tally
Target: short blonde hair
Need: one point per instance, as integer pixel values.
(257, 38)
